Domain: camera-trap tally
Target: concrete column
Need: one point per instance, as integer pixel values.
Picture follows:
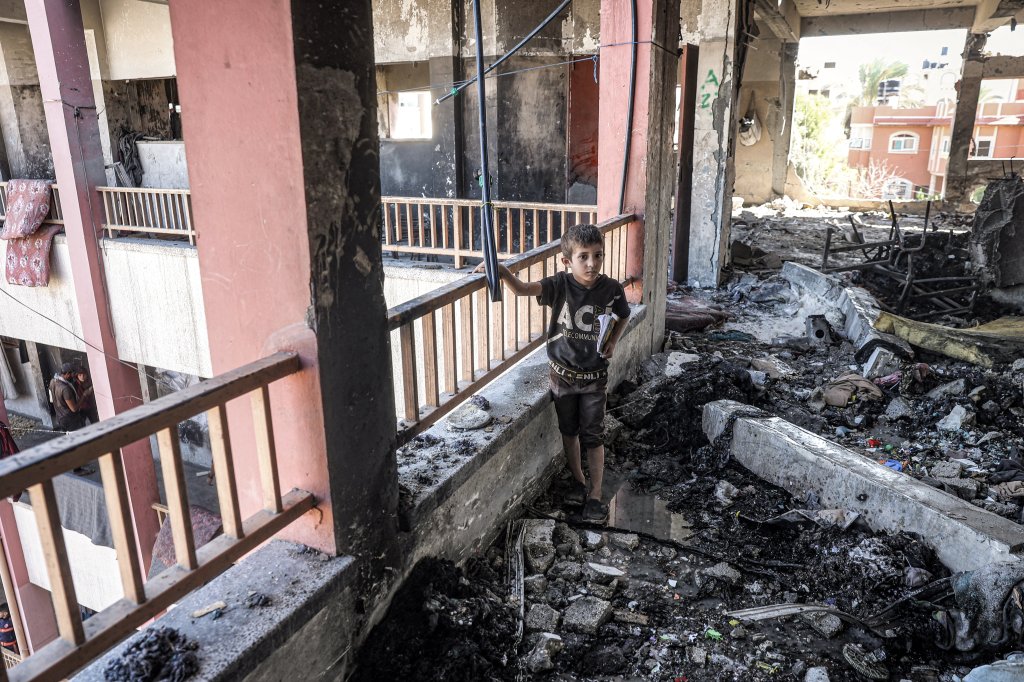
(445, 29)
(651, 176)
(39, 377)
(714, 142)
(787, 81)
(968, 91)
(295, 263)
(58, 39)
(21, 107)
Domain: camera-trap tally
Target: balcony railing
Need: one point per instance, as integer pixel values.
(11, 659)
(152, 211)
(34, 470)
(448, 227)
(165, 212)
(479, 339)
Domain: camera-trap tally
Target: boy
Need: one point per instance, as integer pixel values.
(579, 373)
(7, 638)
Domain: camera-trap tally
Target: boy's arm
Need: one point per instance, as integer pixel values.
(518, 286)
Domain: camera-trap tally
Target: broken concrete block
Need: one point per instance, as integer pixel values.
(899, 409)
(828, 625)
(964, 488)
(586, 615)
(468, 417)
(697, 655)
(548, 646)
(627, 541)
(570, 570)
(593, 540)
(726, 492)
(957, 387)
(947, 469)
(773, 367)
(602, 573)
(882, 362)
(723, 571)
(539, 545)
(605, 592)
(819, 331)
(819, 674)
(535, 584)
(958, 417)
(542, 618)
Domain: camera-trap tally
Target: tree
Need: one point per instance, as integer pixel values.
(873, 181)
(873, 73)
(819, 147)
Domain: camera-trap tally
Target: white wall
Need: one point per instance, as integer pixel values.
(138, 38)
(163, 164)
(93, 567)
(155, 301)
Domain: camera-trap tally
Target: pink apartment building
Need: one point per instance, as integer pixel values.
(914, 143)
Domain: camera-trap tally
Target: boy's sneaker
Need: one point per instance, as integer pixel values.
(595, 510)
(576, 493)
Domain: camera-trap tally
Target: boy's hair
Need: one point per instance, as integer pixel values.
(580, 235)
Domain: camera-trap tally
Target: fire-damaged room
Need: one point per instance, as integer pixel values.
(477, 340)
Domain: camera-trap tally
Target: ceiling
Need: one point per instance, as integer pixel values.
(816, 8)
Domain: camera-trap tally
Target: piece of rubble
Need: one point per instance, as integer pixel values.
(953, 388)
(882, 362)
(697, 655)
(1011, 668)
(958, 417)
(819, 674)
(539, 545)
(586, 615)
(900, 408)
(1018, 365)
(606, 592)
(535, 584)
(946, 469)
(627, 541)
(773, 367)
(828, 625)
(612, 428)
(602, 573)
(726, 492)
(468, 417)
(723, 571)
(547, 647)
(964, 488)
(570, 570)
(542, 618)
(593, 540)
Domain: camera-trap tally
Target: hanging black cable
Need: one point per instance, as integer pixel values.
(529, 36)
(629, 111)
(490, 252)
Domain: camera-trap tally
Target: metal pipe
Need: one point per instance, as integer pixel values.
(487, 240)
(529, 36)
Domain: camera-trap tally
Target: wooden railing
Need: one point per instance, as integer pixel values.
(479, 339)
(34, 470)
(166, 212)
(53, 217)
(151, 211)
(450, 227)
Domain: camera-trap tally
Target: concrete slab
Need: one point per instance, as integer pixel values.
(963, 536)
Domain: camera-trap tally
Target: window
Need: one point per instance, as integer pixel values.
(830, 65)
(983, 147)
(812, 92)
(826, 93)
(855, 143)
(404, 101)
(898, 188)
(944, 52)
(945, 145)
(410, 115)
(904, 143)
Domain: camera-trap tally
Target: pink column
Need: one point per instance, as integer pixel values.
(240, 119)
(36, 609)
(58, 40)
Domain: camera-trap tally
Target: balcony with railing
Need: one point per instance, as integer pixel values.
(35, 470)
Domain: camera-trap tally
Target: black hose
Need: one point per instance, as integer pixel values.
(629, 111)
(490, 250)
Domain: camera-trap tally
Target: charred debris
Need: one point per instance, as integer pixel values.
(867, 336)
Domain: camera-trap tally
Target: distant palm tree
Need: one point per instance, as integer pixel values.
(875, 72)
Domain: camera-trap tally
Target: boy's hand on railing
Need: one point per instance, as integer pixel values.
(502, 270)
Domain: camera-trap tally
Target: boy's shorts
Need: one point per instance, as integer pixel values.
(580, 409)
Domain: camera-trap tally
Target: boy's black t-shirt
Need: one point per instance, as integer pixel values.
(573, 330)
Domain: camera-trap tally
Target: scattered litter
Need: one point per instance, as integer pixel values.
(209, 608)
